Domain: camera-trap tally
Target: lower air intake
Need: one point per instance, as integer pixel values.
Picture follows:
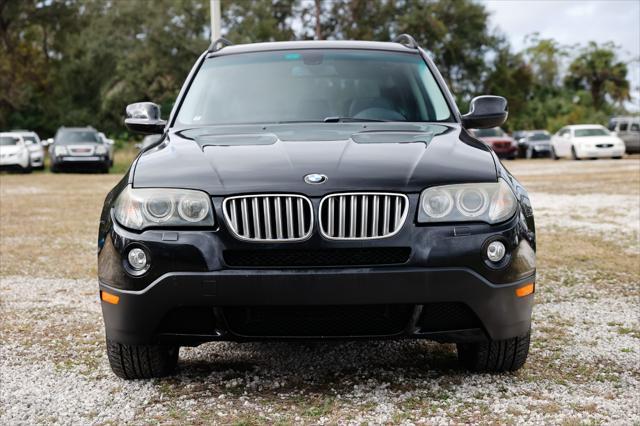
(318, 321)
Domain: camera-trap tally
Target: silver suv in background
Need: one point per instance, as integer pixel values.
(627, 129)
(34, 145)
(79, 148)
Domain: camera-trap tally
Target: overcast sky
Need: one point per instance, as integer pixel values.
(574, 21)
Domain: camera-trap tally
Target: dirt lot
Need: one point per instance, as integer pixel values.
(584, 365)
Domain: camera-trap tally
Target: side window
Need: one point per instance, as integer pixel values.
(635, 127)
(612, 126)
(623, 126)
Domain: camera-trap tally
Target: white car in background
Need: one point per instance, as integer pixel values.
(586, 141)
(109, 143)
(34, 145)
(14, 154)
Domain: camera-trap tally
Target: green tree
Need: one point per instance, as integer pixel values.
(456, 33)
(511, 77)
(597, 70)
(259, 20)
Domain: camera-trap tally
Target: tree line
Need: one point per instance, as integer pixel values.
(80, 62)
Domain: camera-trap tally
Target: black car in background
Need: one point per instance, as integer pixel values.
(536, 143)
(316, 190)
(79, 148)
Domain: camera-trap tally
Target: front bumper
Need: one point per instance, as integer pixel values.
(37, 160)
(140, 317)
(94, 161)
(596, 152)
(189, 274)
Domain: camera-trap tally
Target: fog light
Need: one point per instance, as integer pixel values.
(137, 259)
(496, 251)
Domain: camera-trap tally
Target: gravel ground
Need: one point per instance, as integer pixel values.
(583, 367)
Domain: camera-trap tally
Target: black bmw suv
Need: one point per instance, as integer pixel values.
(316, 190)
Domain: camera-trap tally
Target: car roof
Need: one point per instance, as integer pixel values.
(14, 134)
(78, 129)
(313, 44)
(584, 126)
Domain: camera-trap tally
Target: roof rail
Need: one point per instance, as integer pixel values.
(218, 45)
(406, 40)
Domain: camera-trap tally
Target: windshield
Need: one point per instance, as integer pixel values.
(30, 140)
(539, 137)
(8, 140)
(77, 136)
(592, 131)
(313, 85)
(483, 133)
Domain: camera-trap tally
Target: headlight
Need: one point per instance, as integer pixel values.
(139, 208)
(485, 202)
(59, 150)
(101, 150)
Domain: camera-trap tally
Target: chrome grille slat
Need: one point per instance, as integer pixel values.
(352, 216)
(300, 218)
(375, 213)
(289, 209)
(256, 218)
(269, 217)
(362, 215)
(385, 215)
(341, 218)
(245, 217)
(279, 235)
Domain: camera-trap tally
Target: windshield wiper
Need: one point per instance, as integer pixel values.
(350, 120)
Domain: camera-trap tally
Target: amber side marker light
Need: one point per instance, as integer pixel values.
(109, 298)
(525, 290)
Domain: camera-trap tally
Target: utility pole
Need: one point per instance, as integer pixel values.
(215, 19)
(318, 5)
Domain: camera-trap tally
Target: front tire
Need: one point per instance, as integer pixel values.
(574, 155)
(554, 156)
(495, 356)
(529, 154)
(141, 361)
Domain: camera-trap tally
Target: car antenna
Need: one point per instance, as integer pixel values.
(406, 40)
(218, 45)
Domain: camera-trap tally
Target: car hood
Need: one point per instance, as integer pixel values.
(10, 149)
(376, 156)
(598, 139)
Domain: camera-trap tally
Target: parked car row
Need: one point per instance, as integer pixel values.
(72, 148)
(575, 141)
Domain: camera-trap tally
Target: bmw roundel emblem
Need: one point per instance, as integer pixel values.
(315, 178)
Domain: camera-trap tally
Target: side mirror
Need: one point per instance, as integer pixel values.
(485, 112)
(144, 117)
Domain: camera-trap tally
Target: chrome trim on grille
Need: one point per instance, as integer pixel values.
(362, 215)
(256, 217)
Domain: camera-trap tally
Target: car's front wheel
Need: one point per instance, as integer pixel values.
(495, 356)
(574, 154)
(141, 361)
(553, 154)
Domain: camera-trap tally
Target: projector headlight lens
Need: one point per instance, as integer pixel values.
(140, 208)
(436, 202)
(486, 202)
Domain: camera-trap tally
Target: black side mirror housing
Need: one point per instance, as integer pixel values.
(486, 112)
(144, 117)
